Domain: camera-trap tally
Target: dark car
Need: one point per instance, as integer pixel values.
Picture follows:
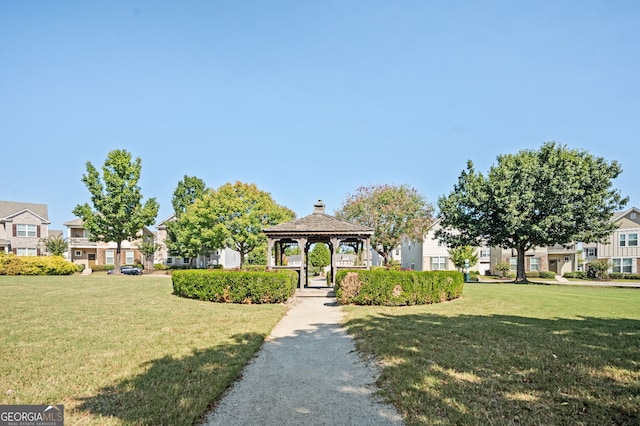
(129, 270)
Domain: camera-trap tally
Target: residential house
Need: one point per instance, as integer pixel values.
(22, 226)
(559, 258)
(226, 257)
(432, 254)
(83, 251)
(622, 248)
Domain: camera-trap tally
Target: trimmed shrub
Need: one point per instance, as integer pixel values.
(159, 266)
(35, 265)
(98, 268)
(397, 288)
(547, 274)
(576, 274)
(616, 276)
(235, 286)
(631, 276)
(253, 268)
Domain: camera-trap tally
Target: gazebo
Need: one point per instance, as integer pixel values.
(317, 228)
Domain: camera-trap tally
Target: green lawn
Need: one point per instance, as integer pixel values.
(510, 354)
(121, 349)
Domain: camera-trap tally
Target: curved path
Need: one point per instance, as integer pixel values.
(306, 373)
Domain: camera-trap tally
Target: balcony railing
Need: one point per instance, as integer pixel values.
(81, 242)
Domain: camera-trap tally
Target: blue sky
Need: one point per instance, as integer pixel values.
(309, 99)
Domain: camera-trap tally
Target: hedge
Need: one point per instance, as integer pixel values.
(235, 286)
(11, 264)
(397, 288)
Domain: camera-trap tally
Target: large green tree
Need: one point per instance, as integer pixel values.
(188, 190)
(232, 216)
(393, 212)
(116, 212)
(535, 198)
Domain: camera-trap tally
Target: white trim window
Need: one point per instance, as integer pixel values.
(513, 264)
(623, 264)
(129, 257)
(534, 264)
(109, 257)
(485, 253)
(629, 240)
(438, 263)
(26, 252)
(591, 252)
(23, 230)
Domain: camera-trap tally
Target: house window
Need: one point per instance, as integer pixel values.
(438, 263)
(441, 243)
(129, 257)
(591, 252)
(26, 231)
(485, 253)
(109, 258)
(78, 253)
(534, 264)
(27, 252)
(630, 240)
(186, 260)
(169, 260)
(624, 265)
(633, 216)
(513, 263)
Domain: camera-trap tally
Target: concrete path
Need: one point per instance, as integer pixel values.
(306, 373)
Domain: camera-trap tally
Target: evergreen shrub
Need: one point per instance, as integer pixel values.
(547, 274)
(397, 288)
(35, 265)
(235, 286)
(576, 274)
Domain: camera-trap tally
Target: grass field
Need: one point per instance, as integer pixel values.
(510, 354)
(121, 349)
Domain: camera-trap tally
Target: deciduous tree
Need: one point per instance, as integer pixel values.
(393, 212)
(535, 198)
(462, 253)
(320, 256)
(232, 216)
(55, 245)
(116, 213)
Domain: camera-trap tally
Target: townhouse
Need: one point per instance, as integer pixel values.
(22, 226)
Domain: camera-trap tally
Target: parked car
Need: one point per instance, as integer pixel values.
(129, 270)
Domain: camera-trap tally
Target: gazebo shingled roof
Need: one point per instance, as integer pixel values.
(318, 223)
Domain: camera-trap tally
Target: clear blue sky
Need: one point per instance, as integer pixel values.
(309, 99)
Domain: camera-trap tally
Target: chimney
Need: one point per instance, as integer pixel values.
(318, 208)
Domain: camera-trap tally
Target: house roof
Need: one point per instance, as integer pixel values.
(74, 222)
(619, 215)
(9, 209)
(318, 223)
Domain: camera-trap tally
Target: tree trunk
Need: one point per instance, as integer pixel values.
(116, 269)
(521, 277)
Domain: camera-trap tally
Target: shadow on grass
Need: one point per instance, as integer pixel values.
(506, 369)
(174, 391)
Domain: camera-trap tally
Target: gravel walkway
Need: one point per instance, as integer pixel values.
(306, 373)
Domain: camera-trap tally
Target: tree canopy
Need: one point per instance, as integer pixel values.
(188, 190)
(232, 216)
(393, 212)
(116, 212)
(535, 198)
(462, 253)
(319, 256)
